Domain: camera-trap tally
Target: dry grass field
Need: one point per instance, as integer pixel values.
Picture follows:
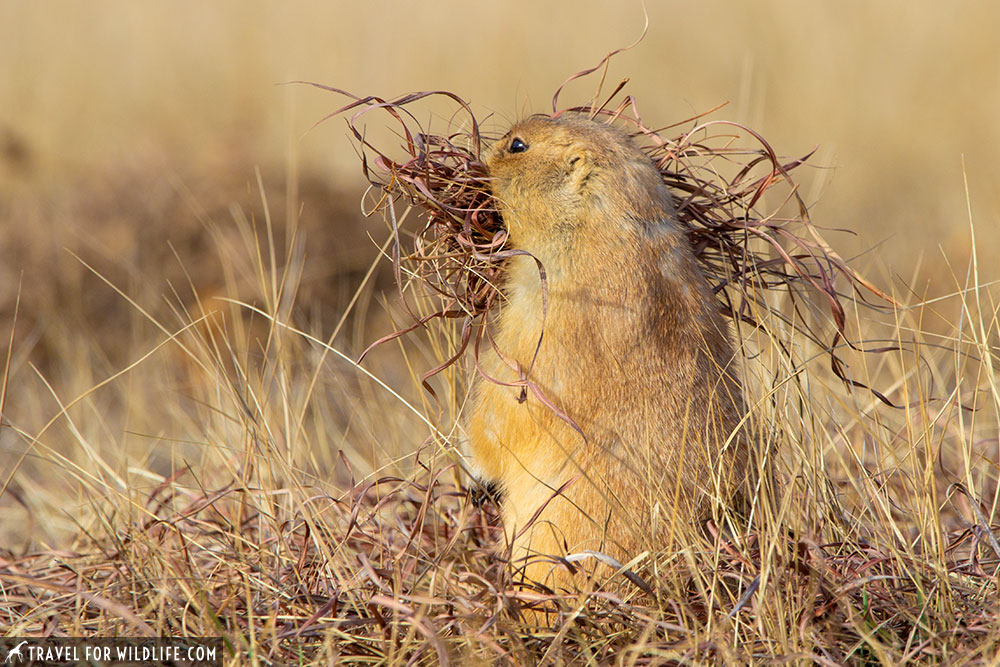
(188, 446)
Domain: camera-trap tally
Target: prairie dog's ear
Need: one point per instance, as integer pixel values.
(579, 165)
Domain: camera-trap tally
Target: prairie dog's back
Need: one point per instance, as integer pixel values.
(634, 353)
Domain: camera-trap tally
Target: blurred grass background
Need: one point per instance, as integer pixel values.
(893, 93)
(131, 135)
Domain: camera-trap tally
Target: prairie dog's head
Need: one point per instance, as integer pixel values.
(552, 176)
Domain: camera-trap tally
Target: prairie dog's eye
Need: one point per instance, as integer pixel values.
(518, 146)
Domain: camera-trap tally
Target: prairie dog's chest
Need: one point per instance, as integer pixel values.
(581, 309)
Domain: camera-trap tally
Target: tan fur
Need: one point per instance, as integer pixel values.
(634, 352)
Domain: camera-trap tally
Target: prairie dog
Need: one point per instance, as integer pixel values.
(634, 353)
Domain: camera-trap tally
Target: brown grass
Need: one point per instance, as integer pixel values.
(216, 463)
(881, 551)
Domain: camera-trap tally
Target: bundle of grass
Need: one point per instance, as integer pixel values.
(719, 172)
